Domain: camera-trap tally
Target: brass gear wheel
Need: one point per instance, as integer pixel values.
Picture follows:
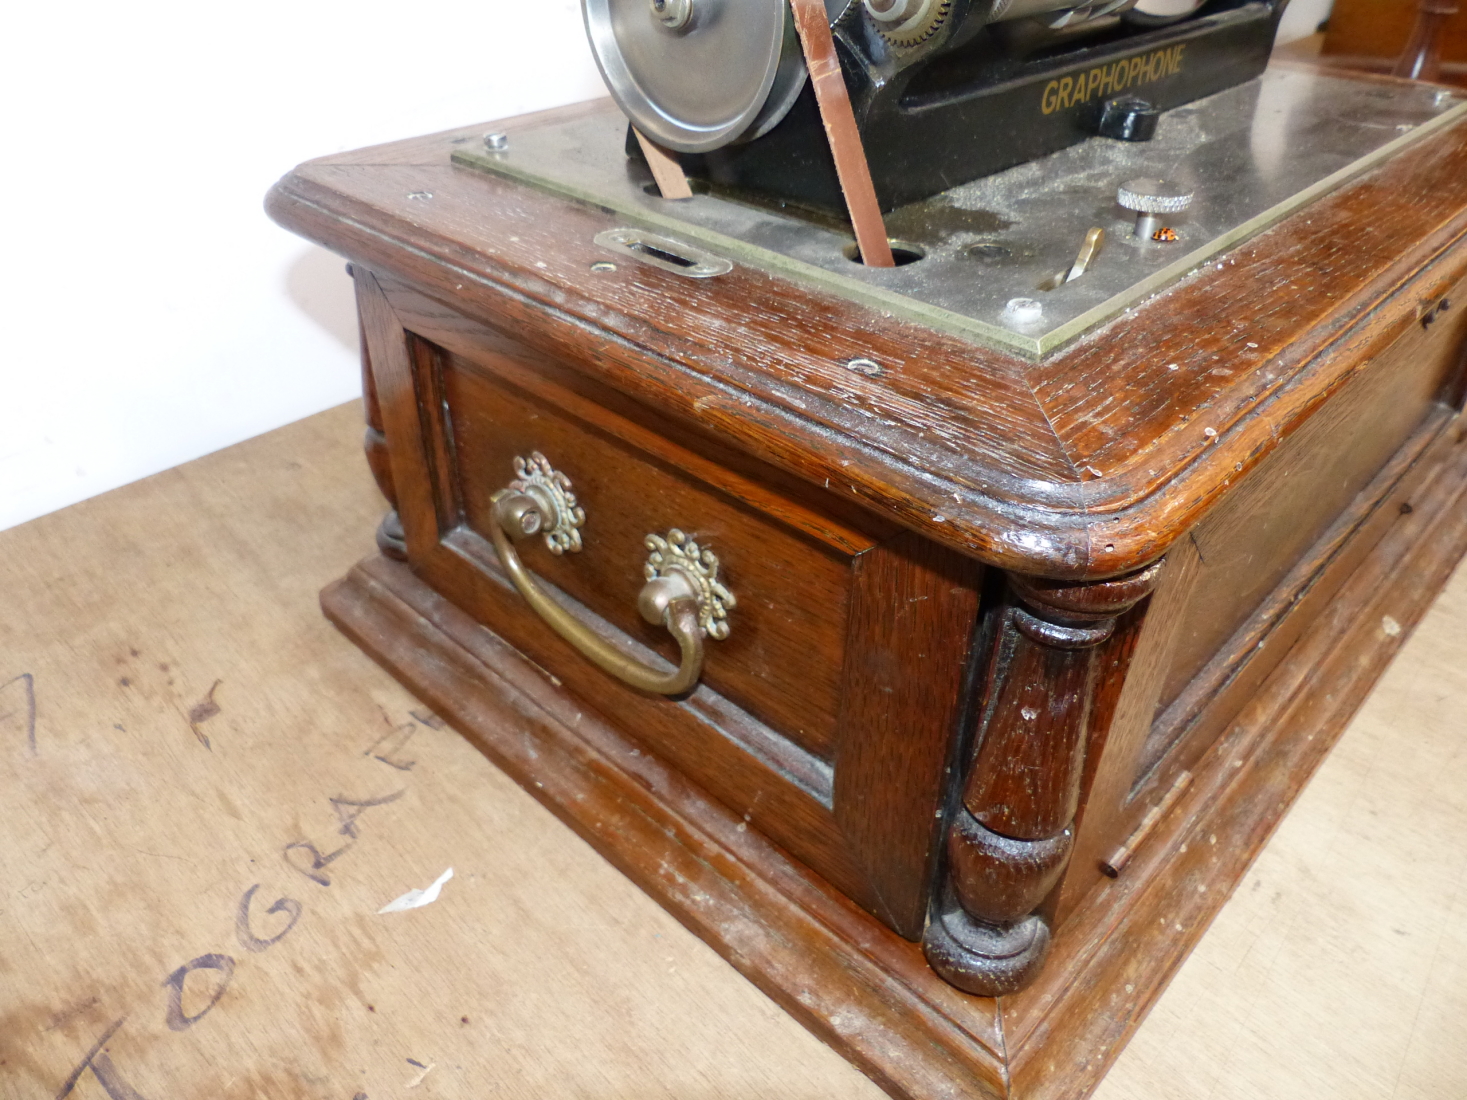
(925, 21)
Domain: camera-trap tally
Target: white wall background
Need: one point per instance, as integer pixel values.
(1302, 18)
(151, 312)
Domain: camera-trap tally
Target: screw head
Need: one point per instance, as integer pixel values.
(496, 142)
(1023, 311)
(672, 14)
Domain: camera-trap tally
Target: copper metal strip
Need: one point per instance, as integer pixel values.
(813, 26)
(668, 173)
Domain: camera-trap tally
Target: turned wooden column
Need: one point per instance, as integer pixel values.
(1422, 57)
(1011, 834)
(389, 532)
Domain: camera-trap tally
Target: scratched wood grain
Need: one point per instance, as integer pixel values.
(1087, 464)
(191, 860)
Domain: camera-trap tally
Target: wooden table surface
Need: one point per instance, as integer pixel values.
(207, 794)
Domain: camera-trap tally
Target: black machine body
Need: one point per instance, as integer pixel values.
(978, 96)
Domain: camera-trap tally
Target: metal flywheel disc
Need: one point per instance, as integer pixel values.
(695, 75)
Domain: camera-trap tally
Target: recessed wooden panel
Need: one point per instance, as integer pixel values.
(1251, 540)
(782, 658)
(884, 619)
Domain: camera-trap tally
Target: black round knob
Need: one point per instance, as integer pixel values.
(1128, 118)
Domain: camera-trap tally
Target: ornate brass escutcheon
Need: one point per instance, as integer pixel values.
(682, 593)
(555, 514)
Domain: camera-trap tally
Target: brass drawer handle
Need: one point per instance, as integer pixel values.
(682, 592)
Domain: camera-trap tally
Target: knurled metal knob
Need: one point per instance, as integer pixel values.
(1150, 198)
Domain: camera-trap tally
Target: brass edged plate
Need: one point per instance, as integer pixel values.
(1254, 154)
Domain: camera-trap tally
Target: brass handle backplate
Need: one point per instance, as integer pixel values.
(682, 593)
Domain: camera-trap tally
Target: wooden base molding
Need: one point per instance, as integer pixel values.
(850, 979)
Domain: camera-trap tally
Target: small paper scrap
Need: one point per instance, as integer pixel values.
(415, 899)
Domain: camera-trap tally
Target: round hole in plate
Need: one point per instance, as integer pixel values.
(603, 265)
(903, 252)
(697, 187)
(990, 253)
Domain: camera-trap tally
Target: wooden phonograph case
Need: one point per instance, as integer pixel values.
(939, 639)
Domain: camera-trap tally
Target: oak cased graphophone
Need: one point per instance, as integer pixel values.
(946, 689)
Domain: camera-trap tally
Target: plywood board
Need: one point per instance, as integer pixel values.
(209, 795)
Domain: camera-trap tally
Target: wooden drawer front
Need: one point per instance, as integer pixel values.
(825, 717)
(783, 656)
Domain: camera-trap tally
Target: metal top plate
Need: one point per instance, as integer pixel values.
(1254, 153)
